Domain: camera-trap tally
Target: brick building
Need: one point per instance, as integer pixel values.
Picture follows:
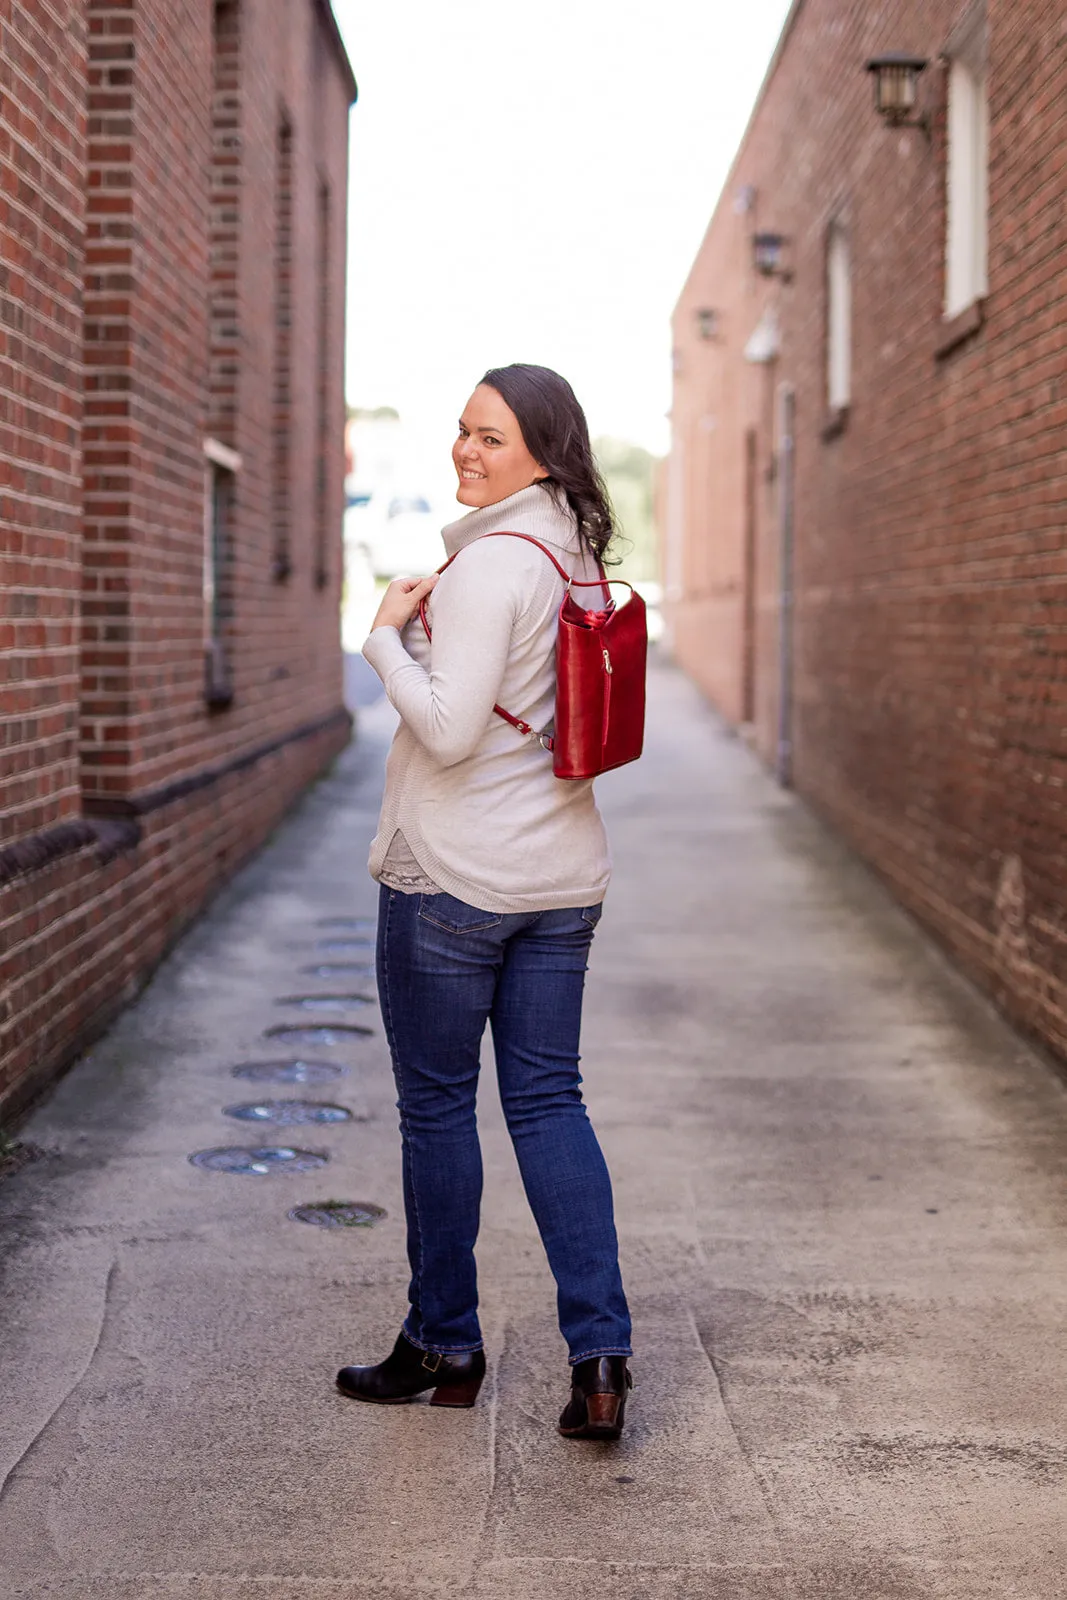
(864, 506)
(172, 233)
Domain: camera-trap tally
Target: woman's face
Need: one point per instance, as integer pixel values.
(490, 454)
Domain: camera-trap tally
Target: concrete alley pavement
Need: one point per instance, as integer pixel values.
(840, 1192)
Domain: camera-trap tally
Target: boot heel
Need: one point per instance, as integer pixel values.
(597, 1406)
(602, 1412)
(457, 1394)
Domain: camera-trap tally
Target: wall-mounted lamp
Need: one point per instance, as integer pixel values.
(767, 253)
(896, 89)
(707, 320)
(765, 340)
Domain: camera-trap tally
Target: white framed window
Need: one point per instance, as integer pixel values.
(838, 319)
(967, 237)
(221, 466)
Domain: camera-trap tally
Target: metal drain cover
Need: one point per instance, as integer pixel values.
(288, 1113)
(326, 1002)
(328, 1033)
(353, 924)
(340, 946)
(260, 1161)
(339, 1214)
(289, 1071)
(340, 969)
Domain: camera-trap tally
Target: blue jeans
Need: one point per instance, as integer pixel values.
(445, 969)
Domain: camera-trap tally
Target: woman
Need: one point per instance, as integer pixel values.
(492, 875)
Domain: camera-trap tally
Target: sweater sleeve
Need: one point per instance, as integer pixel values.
(475, 604)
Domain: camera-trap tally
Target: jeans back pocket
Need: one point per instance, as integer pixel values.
(456, 916)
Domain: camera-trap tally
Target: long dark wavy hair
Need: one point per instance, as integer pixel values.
(556, 434)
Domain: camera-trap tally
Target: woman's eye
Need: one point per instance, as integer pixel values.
(491, 441)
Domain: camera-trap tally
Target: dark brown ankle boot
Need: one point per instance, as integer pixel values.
(597, 1406)
(408, 1371)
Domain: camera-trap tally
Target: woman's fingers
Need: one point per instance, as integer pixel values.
(417, 594)
(410, 585)
(401, 601)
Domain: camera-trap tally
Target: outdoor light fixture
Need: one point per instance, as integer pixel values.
(896, 89)
(707, 319)
(767, 250)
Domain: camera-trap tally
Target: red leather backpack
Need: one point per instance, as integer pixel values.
(600, 677)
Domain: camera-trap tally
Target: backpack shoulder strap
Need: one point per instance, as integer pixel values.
(599, 582)
(516, 722)
(502, 534)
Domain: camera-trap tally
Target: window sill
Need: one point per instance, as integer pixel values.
(218, 697)
(218, 686)
(957, 330)
(835, 423)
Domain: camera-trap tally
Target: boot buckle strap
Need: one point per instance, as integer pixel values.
(432, 1360)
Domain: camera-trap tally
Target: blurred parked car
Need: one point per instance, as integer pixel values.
(401, 537)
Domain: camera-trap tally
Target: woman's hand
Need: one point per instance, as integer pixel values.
(401, 601)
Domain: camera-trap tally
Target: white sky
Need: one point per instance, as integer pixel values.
(530, 182)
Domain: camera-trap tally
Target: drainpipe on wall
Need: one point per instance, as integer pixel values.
(674, 543)
(786, 416)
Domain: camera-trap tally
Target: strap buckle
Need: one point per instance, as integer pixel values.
(432, 1360)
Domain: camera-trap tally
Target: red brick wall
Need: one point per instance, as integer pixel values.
(283, 67)
(42, 229)
(146, 422)
(79, 938)
(133, 159)
(226, 170)
(928, 686)
(146, 352)
(110, 427)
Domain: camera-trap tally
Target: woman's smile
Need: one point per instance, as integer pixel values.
(490, 454)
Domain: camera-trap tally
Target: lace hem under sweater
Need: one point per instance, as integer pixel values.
(401, 871)
(478, 805)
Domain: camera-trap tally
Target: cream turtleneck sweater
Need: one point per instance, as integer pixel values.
(477, 804)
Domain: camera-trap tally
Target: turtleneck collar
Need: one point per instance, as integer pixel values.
(534, 510)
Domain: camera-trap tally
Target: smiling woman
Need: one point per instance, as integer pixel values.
(555, 441)
(492, 874)
(490, 454)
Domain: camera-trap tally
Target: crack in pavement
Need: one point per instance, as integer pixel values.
(221, 1576)
(746, 1454)
(487, 1534)
(25, 1454)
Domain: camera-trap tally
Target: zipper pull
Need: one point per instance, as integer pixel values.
(607, 661)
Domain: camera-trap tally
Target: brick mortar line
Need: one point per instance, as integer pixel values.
(40, 850)
(67, 838)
